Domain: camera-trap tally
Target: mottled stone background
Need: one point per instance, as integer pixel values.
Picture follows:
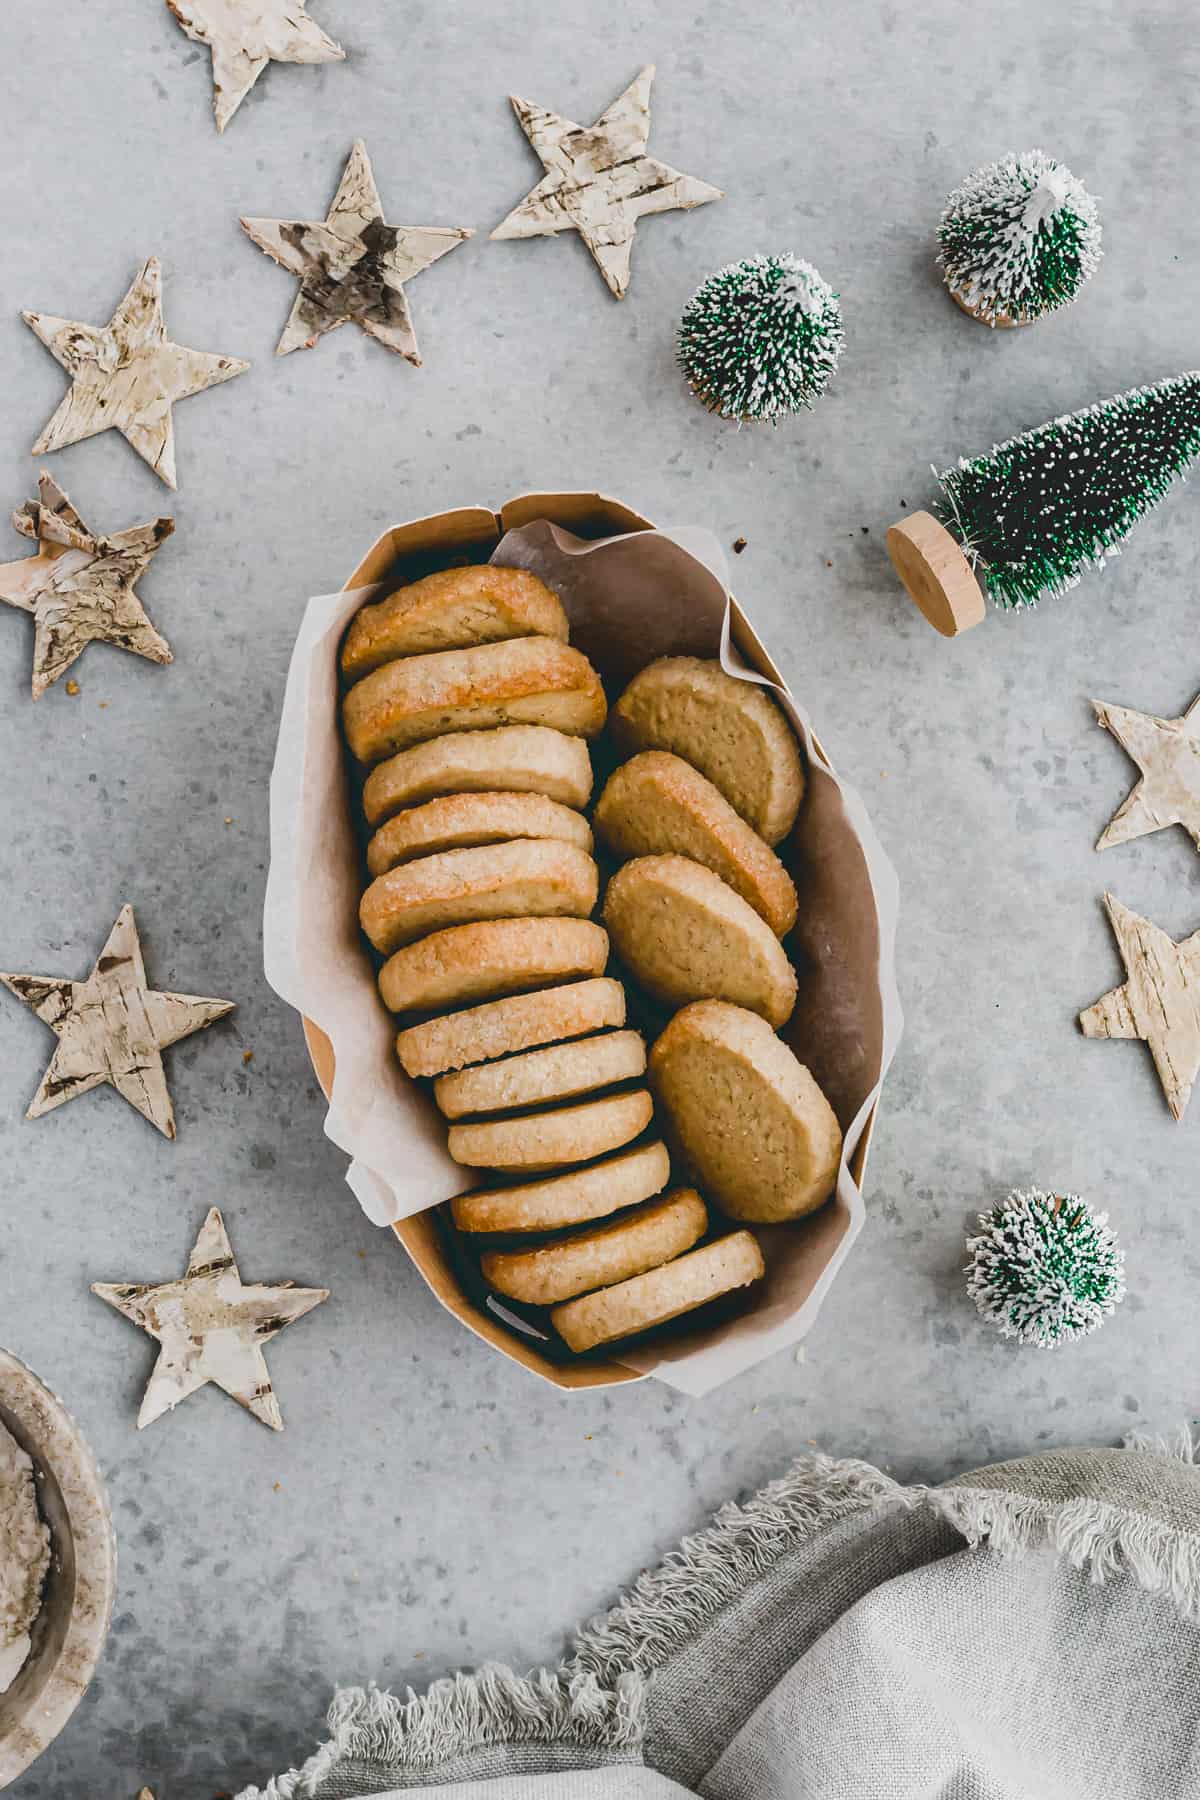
(430, 1505)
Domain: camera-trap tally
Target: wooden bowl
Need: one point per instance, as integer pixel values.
(69, 1632)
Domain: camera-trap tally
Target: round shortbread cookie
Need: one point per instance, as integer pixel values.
(728, 729)
(450, 611)
(468, 963)
(657, 805)
(571, 1199)
(466, 821)
(539, 1077)
(686, 936)
(502, 1027)
(526, 681)
(661, 1294)
(552, 1140)
(756, 1129)
(518, 879)
(596, 1259)
(526, 759)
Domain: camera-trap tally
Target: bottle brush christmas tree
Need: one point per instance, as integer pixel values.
(760, 338)
(1018, 239)
(1045, 1268)
(1030, 516)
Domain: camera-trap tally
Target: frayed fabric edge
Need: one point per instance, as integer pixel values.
(464, 1713)
(1180, 1445)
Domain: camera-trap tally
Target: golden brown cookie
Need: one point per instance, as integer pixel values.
(468, 963)
(727, 728)
(574, 1198)
(555, 1138)
(519, 879)
(642, 1240)
(539, 1077)
(686, 936)
(665, 1293)
(525, 681)
(502, 1027)
(657, 805)
(450, 611)
(526, 759)
(465, 821)
(755, 1128)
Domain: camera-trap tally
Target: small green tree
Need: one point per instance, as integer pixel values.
(1036, 511)
(1018, 239)
(760, 338)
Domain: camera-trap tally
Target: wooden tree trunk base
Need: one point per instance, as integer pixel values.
(998, 321)
(939, 579)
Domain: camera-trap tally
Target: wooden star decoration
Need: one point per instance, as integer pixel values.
(599, 180)
(244, 36)
(127, 375)
(1167, 751)
(113, 1028)
(1160, 1002)
(352, 265)
(211, 1326)
(80, 586)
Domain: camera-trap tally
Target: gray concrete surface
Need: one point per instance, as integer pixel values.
(430, 1505)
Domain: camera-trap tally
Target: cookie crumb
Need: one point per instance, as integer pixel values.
(739, 544)
(73, 688)
(247, 1056)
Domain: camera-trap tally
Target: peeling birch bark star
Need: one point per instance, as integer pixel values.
(211, 1327)
(127, 375)
(1160, 1002)
(244, 36)
(113, 1028)
(80, 586)
(599, 179)
(352, 265)
(1167, 751)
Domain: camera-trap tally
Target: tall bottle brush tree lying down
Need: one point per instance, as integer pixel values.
(1028, 518)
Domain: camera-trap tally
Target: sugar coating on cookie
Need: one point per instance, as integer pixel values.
(657, 804)
(662, 1294)
(515, 758)
(727, 728)
(753, 1125)
(451, 610)
(558, 1072)
(685, 935)
(642, 1240)
(573, 1198)
(464, 964)
(518, 1022)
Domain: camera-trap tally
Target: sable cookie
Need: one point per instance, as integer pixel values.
(451, 611)
(538, 1077)
(468, 963)
(551, 1140)
(526, 681)
(595, 1259)
(728, 729)
(657, 804)
(756, 1129)
(502, 1027)
(500, 881)
(686, 936)
(571, 1199)
(662, 1294)
(514, 758)
(465, 821)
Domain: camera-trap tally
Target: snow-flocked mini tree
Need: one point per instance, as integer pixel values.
(760, 338)
(1018, 239)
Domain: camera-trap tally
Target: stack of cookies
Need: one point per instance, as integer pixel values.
(472, 713)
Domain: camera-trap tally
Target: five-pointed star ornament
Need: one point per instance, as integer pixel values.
(80, 586)
(1167, 751)
(113, 1027)
(211, 1327)
(244, 36)
(352, 265)
(1160, 1002)
(127, 375)
(599, 180)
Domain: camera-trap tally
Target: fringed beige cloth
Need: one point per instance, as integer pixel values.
(1029, 1631)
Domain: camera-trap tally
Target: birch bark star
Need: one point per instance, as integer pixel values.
(244, 36)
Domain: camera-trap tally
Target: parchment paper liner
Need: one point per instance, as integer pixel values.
(630, 599)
